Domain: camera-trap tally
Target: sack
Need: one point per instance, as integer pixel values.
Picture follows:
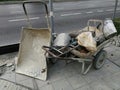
(81, 54)
(86, 40)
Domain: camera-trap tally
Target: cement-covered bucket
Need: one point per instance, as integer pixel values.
(109, 28)
(31, 59)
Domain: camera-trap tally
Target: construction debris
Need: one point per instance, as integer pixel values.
(7, 63)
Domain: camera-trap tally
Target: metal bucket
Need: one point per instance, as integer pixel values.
(31, 59)
(109, 28)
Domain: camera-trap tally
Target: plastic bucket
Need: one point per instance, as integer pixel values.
(109, 28)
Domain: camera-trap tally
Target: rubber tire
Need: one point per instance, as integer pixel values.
(101, 55)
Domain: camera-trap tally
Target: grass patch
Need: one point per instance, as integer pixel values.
(117, 24)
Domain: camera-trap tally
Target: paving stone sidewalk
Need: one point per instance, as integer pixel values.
(62, 76)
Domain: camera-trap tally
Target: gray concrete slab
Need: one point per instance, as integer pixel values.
(6, 85)
(62, 76)
(47, 87)
(113, 81)
(76, 81)
(43, 84)
(19, 79)
(99, 85)
(62, 85)
(114, 54)
(85, 87)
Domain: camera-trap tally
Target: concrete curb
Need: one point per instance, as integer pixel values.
(19, 2)
(9, 48)
(11, 2)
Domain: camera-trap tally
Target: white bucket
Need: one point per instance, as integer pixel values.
(109, 28)
(62, 39)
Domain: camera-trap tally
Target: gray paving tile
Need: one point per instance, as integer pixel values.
(68, 77)
(9, 76)
(77, 66)
(116, 74)
(103, 72)
(99, 85)
(47, 87)
(94, 75)
(113, 53)
(27, 83)
(20, 77)
(41, 83)
(76, 81)
(117, 62)
(55, 75)
(60, 64)
(112, 68)
(62, 85)
(66, 70)
(107, 70)
(5, 85)
(69, 70)
(91, 76)
(86, 87)
(113, 81)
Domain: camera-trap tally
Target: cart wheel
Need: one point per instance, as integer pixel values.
(99, 59)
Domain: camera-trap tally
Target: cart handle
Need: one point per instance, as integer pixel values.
(25, 11)
(95, 21)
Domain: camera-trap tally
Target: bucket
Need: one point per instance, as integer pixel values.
(109, 28)
(62, 39)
